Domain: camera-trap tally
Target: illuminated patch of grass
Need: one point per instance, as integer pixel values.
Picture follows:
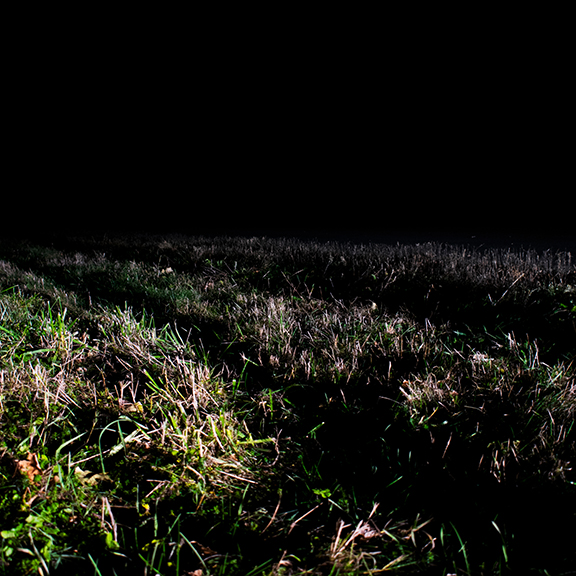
(249, 406)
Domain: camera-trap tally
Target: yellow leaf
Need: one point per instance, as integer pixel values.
(88, 479)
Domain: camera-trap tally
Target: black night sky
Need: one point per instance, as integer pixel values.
(356, 134)
(364, 218)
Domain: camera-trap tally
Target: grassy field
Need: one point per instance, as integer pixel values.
(233, 406)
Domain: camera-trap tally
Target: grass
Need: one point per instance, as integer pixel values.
(195, 406)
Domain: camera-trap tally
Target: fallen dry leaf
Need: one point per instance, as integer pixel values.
(30, 467)
(204, 550)
(88, 478)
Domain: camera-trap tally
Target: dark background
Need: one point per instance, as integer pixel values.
(354, 125)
